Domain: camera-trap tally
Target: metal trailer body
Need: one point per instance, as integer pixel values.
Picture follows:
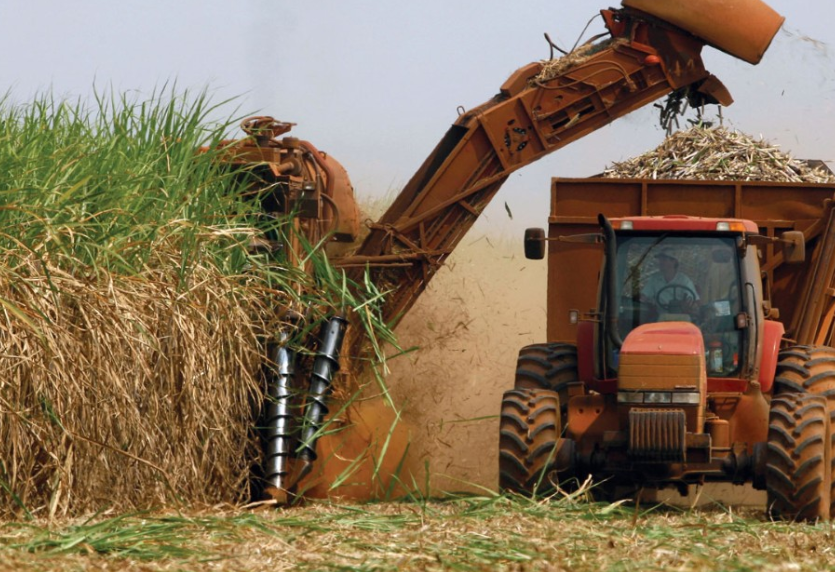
(802, 295)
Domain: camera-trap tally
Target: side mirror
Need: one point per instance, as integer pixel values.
(794, 246)
(535, 243)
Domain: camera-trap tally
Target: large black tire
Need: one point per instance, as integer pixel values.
(798, 462)
(529, 441)
(548, 366)
(806, 369)
(810, 369)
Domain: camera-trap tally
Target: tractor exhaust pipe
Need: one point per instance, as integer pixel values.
(325, 366)
(610, 282)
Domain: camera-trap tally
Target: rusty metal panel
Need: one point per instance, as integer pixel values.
(742, 28)
(573, 273)
(341, 209)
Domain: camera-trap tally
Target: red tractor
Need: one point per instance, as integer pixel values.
(681, 374)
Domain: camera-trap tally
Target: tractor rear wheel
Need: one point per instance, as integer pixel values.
(806, 369)
(809, 369)
(530, 448)
(798, 461)
(548, 366)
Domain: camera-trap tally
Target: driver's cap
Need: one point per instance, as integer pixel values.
(667, 252)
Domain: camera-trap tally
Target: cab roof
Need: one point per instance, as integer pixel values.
(682, 223)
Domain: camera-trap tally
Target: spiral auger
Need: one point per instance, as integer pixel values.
(278, 423)
(325, 365)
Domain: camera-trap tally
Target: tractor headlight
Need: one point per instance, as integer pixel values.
(630, 396)
(688, 398)
(658, 397)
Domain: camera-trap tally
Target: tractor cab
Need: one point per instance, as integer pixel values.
(680, 276)
(699, 271)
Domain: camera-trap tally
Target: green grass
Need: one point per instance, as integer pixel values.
(468, 533)
(108, 186)
(97, 185)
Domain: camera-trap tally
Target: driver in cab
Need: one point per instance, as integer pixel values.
(671, 290)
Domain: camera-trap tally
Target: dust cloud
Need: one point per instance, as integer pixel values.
(482, 306)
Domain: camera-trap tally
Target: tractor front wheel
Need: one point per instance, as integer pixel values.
(531, 452)
(806, 369)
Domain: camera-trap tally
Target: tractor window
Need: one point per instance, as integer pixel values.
(664, 278)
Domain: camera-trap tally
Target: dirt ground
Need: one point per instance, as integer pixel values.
(485, 304)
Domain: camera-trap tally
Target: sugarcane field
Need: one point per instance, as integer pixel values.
(295, 287)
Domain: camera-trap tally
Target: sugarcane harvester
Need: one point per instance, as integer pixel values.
(293, 180)
(652, 49)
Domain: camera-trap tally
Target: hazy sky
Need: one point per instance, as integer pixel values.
(377, 83)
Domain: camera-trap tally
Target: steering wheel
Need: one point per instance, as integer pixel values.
(675, 302)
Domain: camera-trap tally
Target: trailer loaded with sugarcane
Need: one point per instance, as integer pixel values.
(652, 49)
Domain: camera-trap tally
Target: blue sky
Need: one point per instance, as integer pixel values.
(377, 83)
